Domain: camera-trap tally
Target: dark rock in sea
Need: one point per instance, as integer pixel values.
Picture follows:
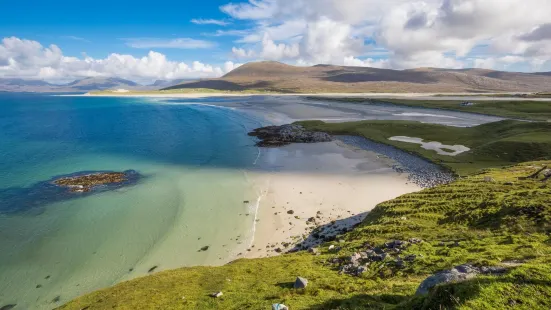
(85, 183)
(56, 299)
(290, 212)
(38, 285)
(47, 277)
(152, 269)
(64, 187)
(274, 136)
(205, 248)
(8, 307)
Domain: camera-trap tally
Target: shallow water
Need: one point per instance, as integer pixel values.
(193, 154)
(192, 158)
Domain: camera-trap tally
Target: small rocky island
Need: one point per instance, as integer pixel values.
(64, 187)
(275, 136)
(86, 182)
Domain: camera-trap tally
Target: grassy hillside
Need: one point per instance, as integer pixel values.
(528, 110)
(505, 222)
(492, 145)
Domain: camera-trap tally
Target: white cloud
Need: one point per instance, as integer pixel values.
(242, 53)
(415, 33)
(180, 43)
(29, 59)
(369, 62)
(201, 21)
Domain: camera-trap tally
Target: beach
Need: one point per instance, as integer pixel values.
(329, 185)
(407, 95)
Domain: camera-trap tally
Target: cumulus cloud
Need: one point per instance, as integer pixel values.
(180, 43)
(29, 59)
(242, 53)
(200, 21)
(446, 33)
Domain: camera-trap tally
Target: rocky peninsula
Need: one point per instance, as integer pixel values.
(275, 136)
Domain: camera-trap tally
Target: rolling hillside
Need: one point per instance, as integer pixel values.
(275, 76)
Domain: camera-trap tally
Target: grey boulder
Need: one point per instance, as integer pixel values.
(456, 274)
(300, 283)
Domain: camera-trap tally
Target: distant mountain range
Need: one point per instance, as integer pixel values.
(275, 76)
(279, 77)
(82, 85)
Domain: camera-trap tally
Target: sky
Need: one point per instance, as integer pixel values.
(146, 41)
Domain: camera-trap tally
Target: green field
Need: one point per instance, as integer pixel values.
(526, 109)
(505, 221)
(492, 145)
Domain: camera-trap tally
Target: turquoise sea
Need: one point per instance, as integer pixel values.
(194, 191)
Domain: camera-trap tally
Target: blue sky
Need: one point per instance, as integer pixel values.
(183, 39)
(99, 28)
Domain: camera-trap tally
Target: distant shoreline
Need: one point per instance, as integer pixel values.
(416, 96)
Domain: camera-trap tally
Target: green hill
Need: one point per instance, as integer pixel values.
(496, 218)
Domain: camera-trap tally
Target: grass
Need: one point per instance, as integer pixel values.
(492, 145)
(525, 109)
(468, 221)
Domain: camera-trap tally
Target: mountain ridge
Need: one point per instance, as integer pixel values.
(80, 85)
(280, 77)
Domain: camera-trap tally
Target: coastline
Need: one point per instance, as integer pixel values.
(418, 96)
(330, 186)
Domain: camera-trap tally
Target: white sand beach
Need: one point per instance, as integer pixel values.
(329, 182)
(416, 96)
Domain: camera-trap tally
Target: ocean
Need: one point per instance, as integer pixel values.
(193, 193)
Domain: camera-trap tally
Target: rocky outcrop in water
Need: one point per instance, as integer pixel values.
(64, 187)
(86, 182)
(274, 136)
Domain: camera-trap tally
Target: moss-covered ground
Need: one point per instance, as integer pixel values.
(505, 220)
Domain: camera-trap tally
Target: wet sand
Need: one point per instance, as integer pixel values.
(313, 185)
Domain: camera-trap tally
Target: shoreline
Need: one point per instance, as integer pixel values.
(337, 185)
(413, 96)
